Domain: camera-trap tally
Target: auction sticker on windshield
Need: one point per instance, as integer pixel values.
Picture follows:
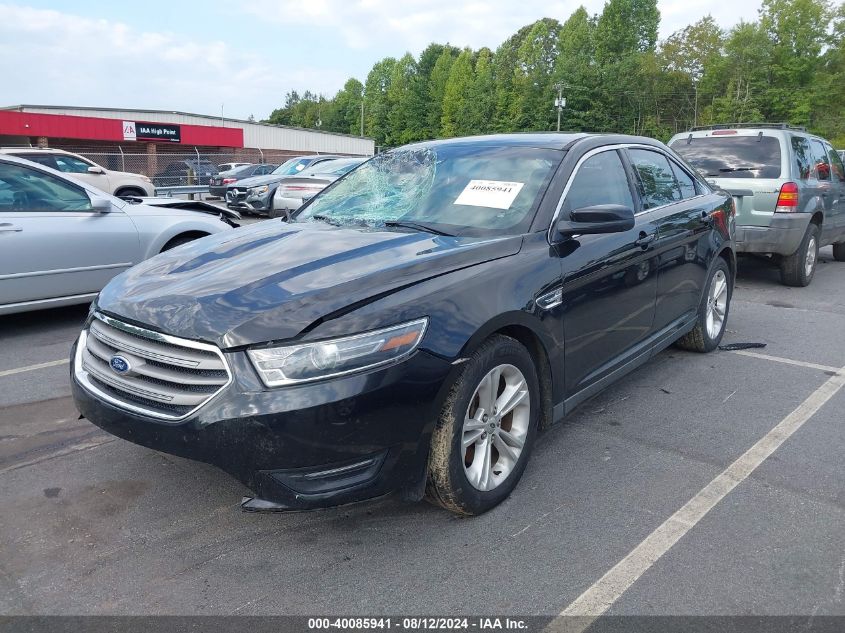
(495, 194)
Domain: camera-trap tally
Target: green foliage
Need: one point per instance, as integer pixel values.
(789, 65)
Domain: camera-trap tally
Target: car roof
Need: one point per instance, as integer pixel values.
(541, 140)
(8, 158)
(34, 150)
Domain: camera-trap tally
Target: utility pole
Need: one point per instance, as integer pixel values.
(695, 107)
(560, 103)
(362, 114)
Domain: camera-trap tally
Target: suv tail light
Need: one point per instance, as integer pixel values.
(227, 181)
(788, 198)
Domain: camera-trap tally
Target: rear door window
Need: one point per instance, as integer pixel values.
(685, 181)
(732, 156)
(803, 157)
(655, 178)
(821, 164)
(836, 164)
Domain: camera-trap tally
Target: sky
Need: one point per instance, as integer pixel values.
(243, 56)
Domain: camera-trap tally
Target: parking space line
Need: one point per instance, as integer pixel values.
(788, 361)
(20, 370)
(599, 597)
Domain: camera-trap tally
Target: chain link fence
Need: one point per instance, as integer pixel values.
(168, 168)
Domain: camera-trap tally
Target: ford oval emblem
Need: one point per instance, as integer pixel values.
(120, 365)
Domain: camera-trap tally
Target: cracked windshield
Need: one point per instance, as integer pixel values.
(457, 189)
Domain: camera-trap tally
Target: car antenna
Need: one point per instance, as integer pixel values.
(689, 138)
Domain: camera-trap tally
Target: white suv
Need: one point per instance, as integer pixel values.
(117, 183)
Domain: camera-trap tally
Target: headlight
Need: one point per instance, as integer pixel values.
(257, 191)
(293, 364)
(145, 178)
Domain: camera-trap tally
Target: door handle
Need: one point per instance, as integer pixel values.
(706, 218)
(6, 227)
(645, 239)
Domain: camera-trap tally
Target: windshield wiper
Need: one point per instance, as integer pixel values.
(325, 218)
(724, 169)
(416, 225)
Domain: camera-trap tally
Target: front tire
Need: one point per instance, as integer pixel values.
(798, 269)
(712, 312)
(485, 432)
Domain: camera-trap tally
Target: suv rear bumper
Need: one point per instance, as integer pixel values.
(783, 235)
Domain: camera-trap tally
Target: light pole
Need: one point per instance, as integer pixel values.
(560, 103)
(362, 114)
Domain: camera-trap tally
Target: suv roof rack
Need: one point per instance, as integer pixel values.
(730, 126)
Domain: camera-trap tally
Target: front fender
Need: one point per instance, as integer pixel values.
(156, 231)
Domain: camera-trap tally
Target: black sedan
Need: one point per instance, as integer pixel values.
(415, 324)
(218, 184)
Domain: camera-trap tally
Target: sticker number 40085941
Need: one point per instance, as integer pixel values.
(495, 194)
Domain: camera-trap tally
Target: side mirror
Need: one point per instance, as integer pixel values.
(600, 218)
(101, 205)
(94, 169)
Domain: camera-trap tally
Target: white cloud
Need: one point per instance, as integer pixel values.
(59, 58)
(412, 24)
(55, 57)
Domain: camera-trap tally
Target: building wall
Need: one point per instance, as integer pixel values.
(255, 135)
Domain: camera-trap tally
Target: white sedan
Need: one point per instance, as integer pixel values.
(62, 240)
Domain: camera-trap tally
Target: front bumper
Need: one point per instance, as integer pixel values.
(302, 447)
(782, 237)
(243, 200)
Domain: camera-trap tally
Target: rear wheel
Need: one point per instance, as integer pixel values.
(486, 429)
(839, 252)
(712, 312)
(798, 269)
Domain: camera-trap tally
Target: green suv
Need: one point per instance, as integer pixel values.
(788, 186)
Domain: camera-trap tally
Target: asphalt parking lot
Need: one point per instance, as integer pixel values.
(699, 485)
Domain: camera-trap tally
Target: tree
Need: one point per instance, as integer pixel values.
(576, 71)
(437, 90)
(376, 104)
(532, 108)
(693, 48)
(481, 95)
(457, 107)
(402, 126)
(625, 27)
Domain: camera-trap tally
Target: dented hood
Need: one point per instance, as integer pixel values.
(271, 280)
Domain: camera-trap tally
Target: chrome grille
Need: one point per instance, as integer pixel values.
(166, 377)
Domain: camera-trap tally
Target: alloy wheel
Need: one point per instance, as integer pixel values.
(717, 304)
(810, 260)
(495, 427)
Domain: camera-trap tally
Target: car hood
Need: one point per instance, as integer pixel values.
(271, 280)
(257, 181)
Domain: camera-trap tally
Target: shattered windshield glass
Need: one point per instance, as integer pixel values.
(455, 189)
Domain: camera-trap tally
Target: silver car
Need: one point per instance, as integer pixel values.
(788, 185)
(62, 240)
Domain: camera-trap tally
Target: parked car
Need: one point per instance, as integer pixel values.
(789, 188)
(218, 184)
(255, 195)
(231, 166)
(178, 173)
(415, 325)
(294, 190)
(117, 183)
(62, 240)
